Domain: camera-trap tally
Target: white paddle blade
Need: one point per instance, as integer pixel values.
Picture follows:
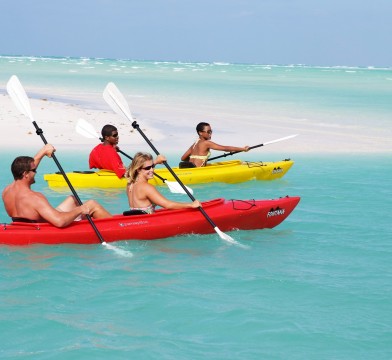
(19, 97)
(116, 101)
(85, 129)
(228, 238)
(281, 139)
(117, 250)
(176, 188)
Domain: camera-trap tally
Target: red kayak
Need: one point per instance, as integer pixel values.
(227, 214)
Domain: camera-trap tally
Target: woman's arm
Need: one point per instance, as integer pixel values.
(186, 155)
(215, 146)
(155, 197)
(160, 159)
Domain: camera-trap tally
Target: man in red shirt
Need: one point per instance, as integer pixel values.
(104, 155)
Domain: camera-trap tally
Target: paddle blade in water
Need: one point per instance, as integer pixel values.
(117, 250)
(228, 238)
(175, 187)
(19, 97)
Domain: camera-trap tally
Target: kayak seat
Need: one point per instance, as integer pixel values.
(79, 172)
(133, 212)
(20, 219)
(186, 164)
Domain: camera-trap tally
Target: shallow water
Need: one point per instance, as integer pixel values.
(317, 286)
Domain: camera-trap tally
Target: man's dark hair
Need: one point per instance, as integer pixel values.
(200, 126)
(107, 130)
(20, 165)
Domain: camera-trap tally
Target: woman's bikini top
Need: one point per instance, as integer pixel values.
(200, 157)
(150, 209)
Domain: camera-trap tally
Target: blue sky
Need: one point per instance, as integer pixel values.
(313, 32)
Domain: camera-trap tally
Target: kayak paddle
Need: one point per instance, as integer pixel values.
(254, 147)
(85, 129)
(21, 101)
(117, 102)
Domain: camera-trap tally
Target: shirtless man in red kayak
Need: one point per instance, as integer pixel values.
(24, 204)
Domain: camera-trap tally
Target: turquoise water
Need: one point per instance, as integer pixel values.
(318, 286)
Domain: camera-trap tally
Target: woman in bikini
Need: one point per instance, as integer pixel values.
(199, 152)
(144, 196)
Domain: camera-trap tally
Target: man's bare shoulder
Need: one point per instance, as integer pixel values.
(5, 190)
(22, 193)
(36, 196)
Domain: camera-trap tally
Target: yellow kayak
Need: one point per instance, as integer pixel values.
(233, 171)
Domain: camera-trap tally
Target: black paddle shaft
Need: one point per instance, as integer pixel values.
(41, 134)
(234, 152)
(135, 125)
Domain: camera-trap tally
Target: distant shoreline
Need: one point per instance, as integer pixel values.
(58, 120)
(333, 111)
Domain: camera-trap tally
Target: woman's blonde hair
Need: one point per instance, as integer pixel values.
(137, 163)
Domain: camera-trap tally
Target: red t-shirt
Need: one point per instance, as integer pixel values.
(106, 157)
